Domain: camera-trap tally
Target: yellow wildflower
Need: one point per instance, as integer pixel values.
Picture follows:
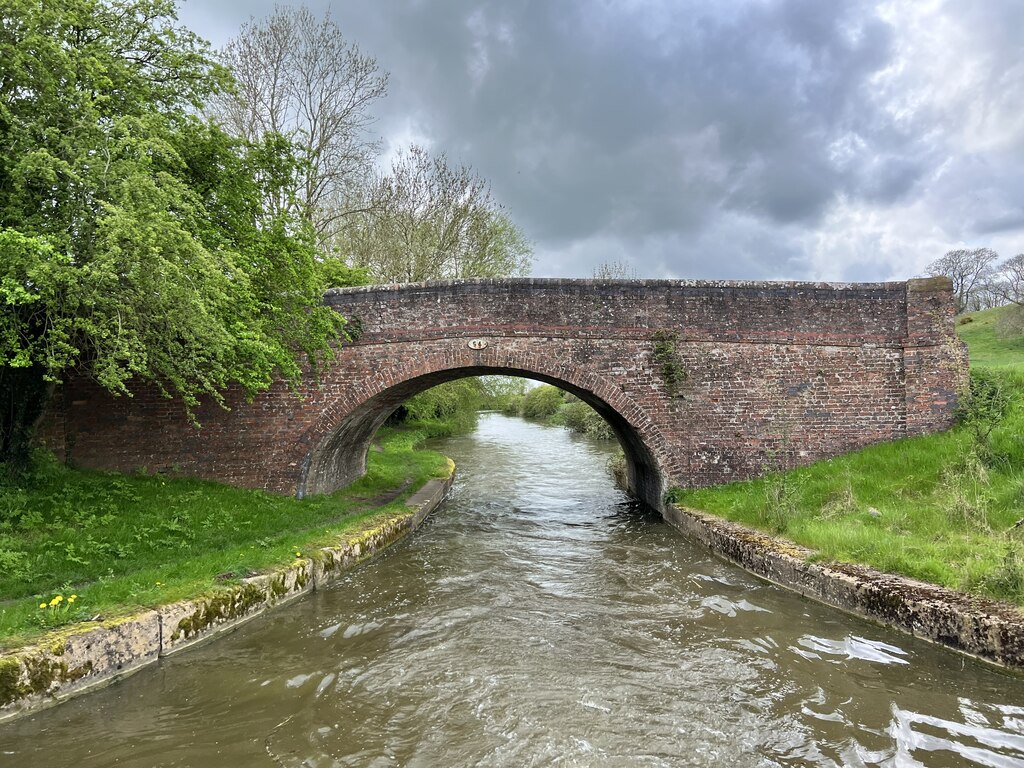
(72, 598)
(42, 605)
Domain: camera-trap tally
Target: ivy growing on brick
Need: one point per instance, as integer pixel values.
(668, 362)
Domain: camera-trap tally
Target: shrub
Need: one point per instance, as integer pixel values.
(618, 470)
(668, 361)
(513, 406)
(541, 402)
(1010, 324)
(983, 407)
(444, 410)
(577, 416)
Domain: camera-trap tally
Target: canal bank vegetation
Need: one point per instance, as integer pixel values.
(556, 406)
(442, 411)
(78, 545)
(452, 408)
(946, 509)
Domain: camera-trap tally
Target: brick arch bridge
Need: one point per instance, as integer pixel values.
(772, 374)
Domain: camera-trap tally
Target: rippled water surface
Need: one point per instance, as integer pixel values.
(542, 619)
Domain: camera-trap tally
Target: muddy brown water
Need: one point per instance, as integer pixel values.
(541, 618)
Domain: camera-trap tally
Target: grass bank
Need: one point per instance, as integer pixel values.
(989, 348)
(75, 545)
(945, 508)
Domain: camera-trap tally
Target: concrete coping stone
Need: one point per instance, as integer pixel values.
(986, 629)
(82, 657)
(568, 282)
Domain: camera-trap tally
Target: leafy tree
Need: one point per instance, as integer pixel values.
(500, 391)
(134, 245)
(427, 220)
(335, 273)
(298, 77)
(969, 269)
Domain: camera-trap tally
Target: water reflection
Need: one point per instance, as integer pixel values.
(542, 619)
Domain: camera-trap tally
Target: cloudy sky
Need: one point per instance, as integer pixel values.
(749, 139)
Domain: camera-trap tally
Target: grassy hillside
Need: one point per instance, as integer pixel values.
(990, 349)
(945, 508)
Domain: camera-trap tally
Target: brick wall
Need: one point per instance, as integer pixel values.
(777, 374)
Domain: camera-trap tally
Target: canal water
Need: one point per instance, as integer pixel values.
(541, 618)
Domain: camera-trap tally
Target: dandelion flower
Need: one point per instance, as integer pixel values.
(72, 598)
(42, 605)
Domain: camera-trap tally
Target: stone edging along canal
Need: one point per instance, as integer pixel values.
(989, 630)
(75, 660)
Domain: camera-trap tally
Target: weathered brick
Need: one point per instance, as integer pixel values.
(777, 374)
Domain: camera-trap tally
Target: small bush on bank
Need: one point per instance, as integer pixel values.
(577, 416)
(513, 406)
(442, 411)
(618, 470)
(541, 402)
(561, 408)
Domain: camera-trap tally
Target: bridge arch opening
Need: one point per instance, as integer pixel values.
(339, 456)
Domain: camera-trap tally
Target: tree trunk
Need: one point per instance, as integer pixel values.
(23, 396)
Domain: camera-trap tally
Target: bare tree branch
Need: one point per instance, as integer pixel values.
(429, 220)
(969, 269)
(1008, 281)
(298, 77)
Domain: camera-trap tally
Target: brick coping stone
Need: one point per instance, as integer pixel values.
(81, 658)
(988, 630)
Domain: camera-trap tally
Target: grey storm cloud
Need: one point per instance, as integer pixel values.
(592, 117)
(771, 138)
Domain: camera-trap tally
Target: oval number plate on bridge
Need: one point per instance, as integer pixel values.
(477, 344)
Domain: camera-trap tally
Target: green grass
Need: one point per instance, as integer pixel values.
(989, 348)
(942, 508)
(125, 543)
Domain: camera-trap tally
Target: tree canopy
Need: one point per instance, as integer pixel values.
(971, 270)
(135, 243)
(430, 220)
(427, 219)
(143, 243)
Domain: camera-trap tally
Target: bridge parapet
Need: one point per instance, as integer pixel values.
(847, 314)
